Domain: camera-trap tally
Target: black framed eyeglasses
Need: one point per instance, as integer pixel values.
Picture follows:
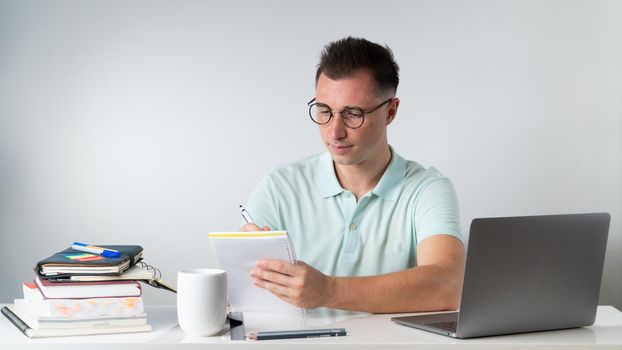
(352, 116)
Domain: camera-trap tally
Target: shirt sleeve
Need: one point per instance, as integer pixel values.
(436, 210)
(262, 206)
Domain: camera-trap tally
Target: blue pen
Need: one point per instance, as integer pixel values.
(107, 253)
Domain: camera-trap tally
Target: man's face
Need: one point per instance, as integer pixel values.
(354, 146)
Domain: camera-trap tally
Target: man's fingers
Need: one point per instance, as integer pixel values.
(281, 266)
(297, 284)
(249, 227)
(271, 276)
(253, 227)
(276, 289)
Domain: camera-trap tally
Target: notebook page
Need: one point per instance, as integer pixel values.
(237, 253)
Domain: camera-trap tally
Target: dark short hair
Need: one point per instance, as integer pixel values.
(344, 57)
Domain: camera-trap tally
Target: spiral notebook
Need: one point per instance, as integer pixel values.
(237, 253)
(140, 272)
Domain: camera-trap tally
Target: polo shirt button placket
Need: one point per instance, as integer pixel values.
(349, 251)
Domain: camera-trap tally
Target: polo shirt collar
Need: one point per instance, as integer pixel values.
(327, 180)
(392, 181)
(388, 187)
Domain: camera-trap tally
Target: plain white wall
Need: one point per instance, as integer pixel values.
(148, 122)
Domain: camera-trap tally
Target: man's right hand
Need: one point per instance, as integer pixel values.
(253, 227)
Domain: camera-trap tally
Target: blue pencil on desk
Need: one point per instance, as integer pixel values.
(301, 333)
(107, 253)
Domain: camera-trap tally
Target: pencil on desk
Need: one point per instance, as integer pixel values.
(301, 333)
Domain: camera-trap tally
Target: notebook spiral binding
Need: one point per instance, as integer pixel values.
(292, 258)
(156, 281)
(157, 274)
(290, 251)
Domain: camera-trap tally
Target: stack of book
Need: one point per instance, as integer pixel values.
(78, 293)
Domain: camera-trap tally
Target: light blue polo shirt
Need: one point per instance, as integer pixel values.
(340, 237)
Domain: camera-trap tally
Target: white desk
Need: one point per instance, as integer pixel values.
(364, 331)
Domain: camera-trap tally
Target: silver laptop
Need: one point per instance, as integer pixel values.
(526, 274)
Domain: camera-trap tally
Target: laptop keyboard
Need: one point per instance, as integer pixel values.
(448, 326)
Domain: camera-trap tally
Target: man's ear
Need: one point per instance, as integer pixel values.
(395, 103)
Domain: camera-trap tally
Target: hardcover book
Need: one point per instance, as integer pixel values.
(85, 290)
(91, 307)
(33, 329)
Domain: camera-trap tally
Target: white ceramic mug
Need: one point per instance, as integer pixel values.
(202, 301)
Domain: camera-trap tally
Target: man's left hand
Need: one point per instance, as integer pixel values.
(298, 284)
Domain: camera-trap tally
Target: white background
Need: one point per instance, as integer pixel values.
(148, 122)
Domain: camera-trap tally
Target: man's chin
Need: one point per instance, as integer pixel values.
(343, 159)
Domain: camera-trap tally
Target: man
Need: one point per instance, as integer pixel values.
(372, 231)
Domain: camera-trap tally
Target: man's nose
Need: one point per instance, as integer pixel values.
(338, 129)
